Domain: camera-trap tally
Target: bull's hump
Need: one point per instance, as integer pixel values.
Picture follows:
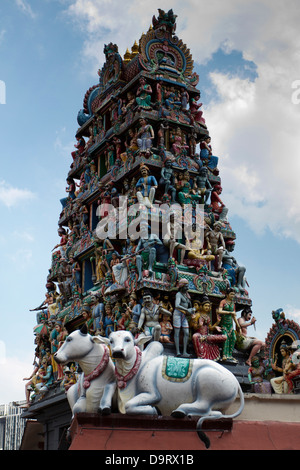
(153, 350)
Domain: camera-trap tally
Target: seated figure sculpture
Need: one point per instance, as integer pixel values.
(246, 343)
(279, 384)
(146, 187)
(150, 316)
(206, 344)
(144, 137)
(256, 377)
(147, 246)
(235, 271)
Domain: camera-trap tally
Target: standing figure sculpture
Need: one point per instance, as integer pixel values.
(216, 244)
(226, 316)
(173, 236)
(167, 179)
(183, 309)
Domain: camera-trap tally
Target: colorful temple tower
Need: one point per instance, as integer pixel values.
(142, 221)
(137, 144)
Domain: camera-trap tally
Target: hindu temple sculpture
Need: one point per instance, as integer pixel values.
(143, 220)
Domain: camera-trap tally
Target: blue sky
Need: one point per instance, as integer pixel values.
(247, 56)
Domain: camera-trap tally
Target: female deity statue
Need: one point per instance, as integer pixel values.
(206, 155)
(217, 205)
(143, 97)
(185, 194)
(226, 316)
(279, 384)
(107, 324)
(196, 113)
(256, 377)
(179, 144)
(130, 145)
(145, 136)
(205, 343)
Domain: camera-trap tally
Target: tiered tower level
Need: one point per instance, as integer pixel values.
(142, 120)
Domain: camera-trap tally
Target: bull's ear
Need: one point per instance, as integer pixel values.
(101, 340)
(142, 339)
(83, 329)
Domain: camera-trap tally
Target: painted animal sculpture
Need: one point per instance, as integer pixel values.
(97, 384)
(150, 383)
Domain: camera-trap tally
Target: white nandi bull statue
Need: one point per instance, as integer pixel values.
(149, 382)
(96, 386)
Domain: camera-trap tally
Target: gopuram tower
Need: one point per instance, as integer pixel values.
(143, 218)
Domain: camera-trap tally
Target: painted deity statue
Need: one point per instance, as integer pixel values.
(295, 372)
(147, 245)
(167, 179)
(195, 110)
(144, 92)
(244, 342)
(206, 154)
(166, 328)
(226, 317)
(217, 205)
(279, 384)
(146, 187)
(256, 374)
(183, 309)
(149, 317)
(202, 185)
(235, 271)
(206, 344)
(216, 244)
(144, 137)
(173, 236)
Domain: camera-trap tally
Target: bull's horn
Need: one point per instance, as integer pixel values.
(83, 329)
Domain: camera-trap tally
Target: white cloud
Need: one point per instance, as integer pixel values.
(11, 196)
(60, 144)
(25, 8)
(105, 21)
(254, 125)
(292, 313)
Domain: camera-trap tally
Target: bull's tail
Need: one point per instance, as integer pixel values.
(202, 435)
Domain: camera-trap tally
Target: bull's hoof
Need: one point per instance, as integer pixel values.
(105, 411)
(178, 414)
